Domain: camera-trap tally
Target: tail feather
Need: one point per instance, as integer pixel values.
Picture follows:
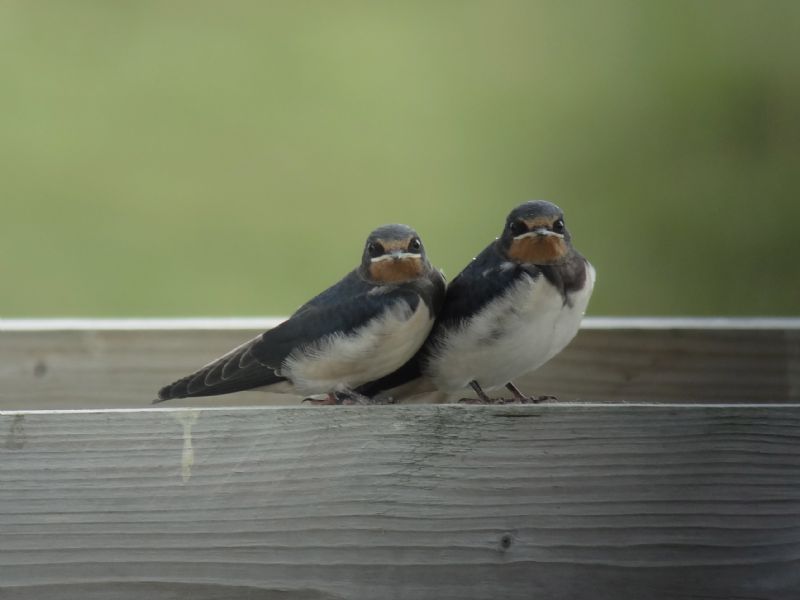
(234, 372)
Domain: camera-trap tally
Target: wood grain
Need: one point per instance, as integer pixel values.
(81, 365)
(558, 502)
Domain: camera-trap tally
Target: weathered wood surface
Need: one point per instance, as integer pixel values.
(87, 364)
(560, 502)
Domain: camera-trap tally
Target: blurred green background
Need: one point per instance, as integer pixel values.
(209, 158)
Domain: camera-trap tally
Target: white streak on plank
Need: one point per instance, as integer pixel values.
(264, 323)
(183, 324)
(187, 418)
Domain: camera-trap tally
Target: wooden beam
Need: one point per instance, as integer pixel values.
(560, 502)
(121, 363)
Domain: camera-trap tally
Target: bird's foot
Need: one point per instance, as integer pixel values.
(482, 397)
(321, 400)
(520, 398)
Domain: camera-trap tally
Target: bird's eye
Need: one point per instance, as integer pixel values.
(414, 245)
(518, 228)
(558, 226)
(374, 249)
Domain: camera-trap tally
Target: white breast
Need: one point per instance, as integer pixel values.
(367, 354)
(513, 334)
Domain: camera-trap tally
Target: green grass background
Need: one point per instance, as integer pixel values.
(210, 158)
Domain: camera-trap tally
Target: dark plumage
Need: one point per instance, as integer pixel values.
(335, 339)
(515, 299)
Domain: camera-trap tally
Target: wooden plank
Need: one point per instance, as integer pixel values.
(558, 502)
(87, 364)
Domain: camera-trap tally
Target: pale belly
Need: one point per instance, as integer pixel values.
(514, 334)
(347, 361)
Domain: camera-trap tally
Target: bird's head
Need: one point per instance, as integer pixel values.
(393, 254)
(535, 233)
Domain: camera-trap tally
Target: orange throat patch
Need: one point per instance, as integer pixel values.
(538, 250)
(396, 270)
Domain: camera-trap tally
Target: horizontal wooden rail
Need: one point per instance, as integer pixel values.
(609, 502)
(68, 363)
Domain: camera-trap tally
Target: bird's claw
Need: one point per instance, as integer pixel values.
(519, 400)
(531, 399)
(320, 400)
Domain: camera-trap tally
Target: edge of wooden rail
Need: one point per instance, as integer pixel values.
(433, 408)
(238, 323)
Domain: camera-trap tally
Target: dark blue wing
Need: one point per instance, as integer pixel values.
(485, 278)
(342, 308)
(351, 285)
(337, 314)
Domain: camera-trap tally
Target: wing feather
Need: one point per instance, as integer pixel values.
(341, 309)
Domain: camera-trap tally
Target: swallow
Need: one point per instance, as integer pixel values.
(513, 307)
(358, 330)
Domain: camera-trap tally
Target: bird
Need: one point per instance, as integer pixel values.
(509, 311)
(359, 329)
